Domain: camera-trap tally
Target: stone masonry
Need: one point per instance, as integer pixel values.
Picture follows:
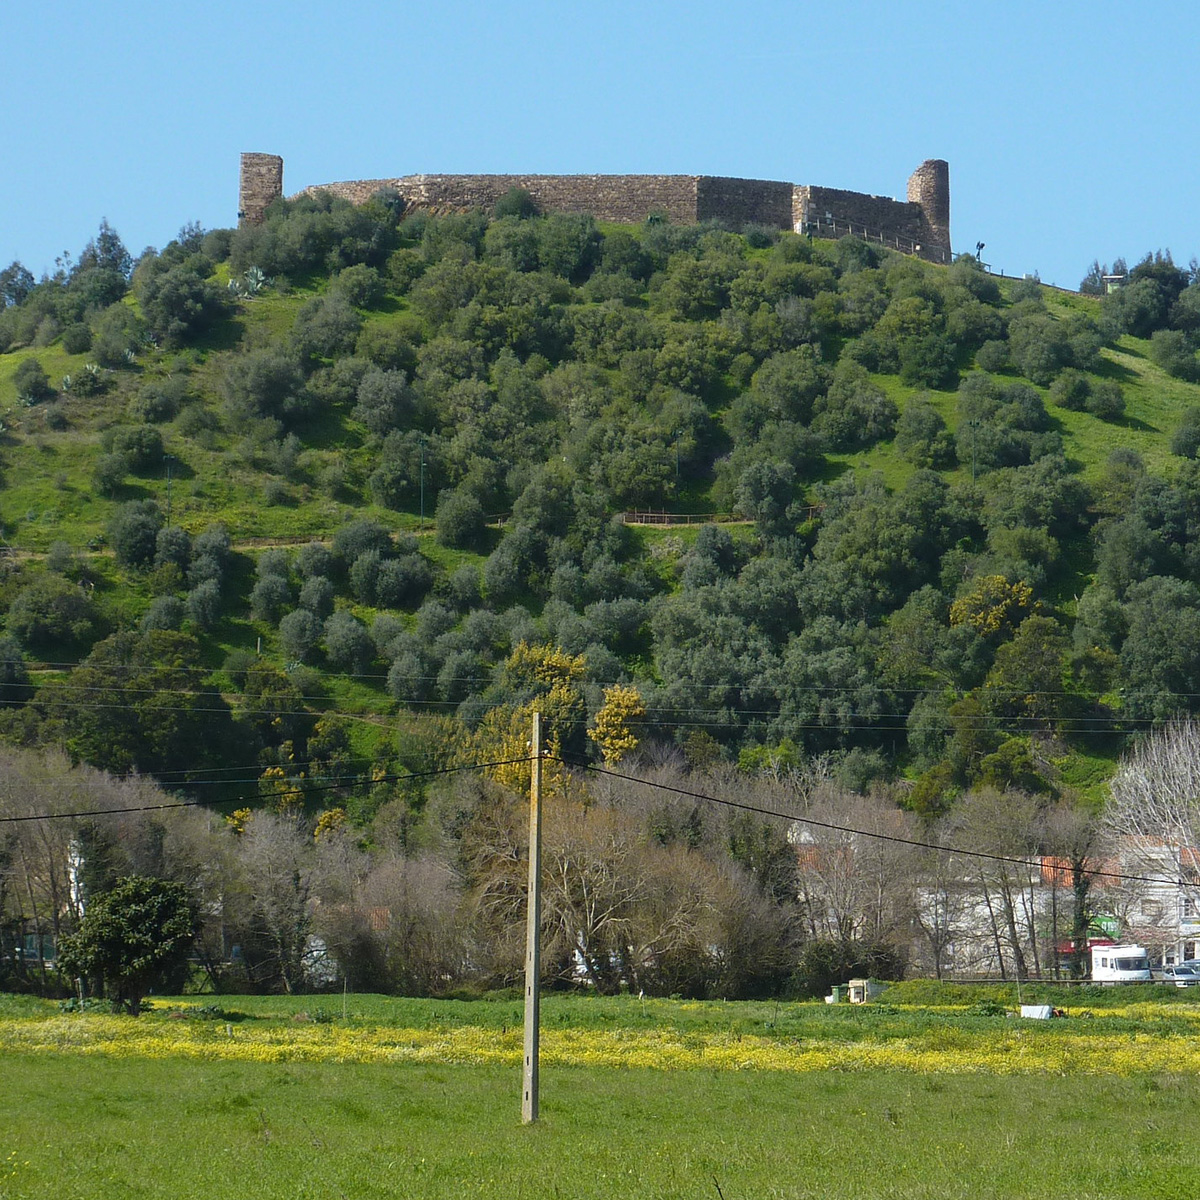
(921, 225)
(261, 182)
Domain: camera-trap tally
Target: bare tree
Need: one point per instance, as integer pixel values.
(1152, 827)
(1007, 825)
(276, 855)
(854, 883)
(1073, 837)
(1156, 788)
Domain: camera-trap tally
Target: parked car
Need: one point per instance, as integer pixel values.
(1184, 974)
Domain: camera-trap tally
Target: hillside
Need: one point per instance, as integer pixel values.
(297, 494)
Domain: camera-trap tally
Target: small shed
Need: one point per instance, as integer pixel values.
(861, 991)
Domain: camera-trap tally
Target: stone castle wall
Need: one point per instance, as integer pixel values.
(832, 212)
(626, 199)
(744, 201)
(919, 226)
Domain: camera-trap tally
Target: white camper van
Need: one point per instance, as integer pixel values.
(1120, 964)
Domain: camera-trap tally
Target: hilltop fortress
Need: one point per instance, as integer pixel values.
(920, 225)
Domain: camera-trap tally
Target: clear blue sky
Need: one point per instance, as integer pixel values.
(1066, 124)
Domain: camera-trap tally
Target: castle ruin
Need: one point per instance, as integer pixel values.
(918, 225)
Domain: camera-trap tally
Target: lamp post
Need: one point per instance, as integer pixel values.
(422, 481)
(168, 459)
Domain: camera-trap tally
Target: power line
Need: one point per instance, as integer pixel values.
(848, 829)
(883, 721)
(743, 806)
(305, 791)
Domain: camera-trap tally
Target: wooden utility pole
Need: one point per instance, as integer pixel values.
(533, 931)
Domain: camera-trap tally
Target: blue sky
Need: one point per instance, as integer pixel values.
(1067, 125)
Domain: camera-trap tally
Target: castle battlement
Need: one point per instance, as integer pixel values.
(918, 225)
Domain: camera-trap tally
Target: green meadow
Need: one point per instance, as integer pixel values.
(78, 1123)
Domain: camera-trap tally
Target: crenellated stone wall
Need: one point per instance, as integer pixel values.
(919, 226)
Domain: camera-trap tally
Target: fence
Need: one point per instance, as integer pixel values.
(666, 518)
(830, 226)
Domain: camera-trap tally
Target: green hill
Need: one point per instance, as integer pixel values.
(331, 471)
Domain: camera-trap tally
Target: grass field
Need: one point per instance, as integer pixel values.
(94, 1105)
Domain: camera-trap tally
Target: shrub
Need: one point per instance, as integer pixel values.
(348, 646)
(1071, 390)
(165, 612)
(269, 596)
(316, 595)
(109, 472)
(14, 678)
(460, 520)
(385, 401)
(993, 356)
(364, 574)
(325, 326)
(388, 346)
(1185, 441)
(140, 445)
(204, 604)
(50, 609)
(176, 299)
(264, 383)
(77, 338)
(159, 400)
(205, 567)
(1172, 350)
(60, 559)
(516, 202)
(403, 582)
(48, 329)
(357, 537)
(825, 963)
(922, 437)
(276, 492)
(1106, 401)
(88, 381)
(313, 559)
(462, 588)
(299, 633)
(31, 381)
(133, 532)
(55, 417)
(173, 545)
(360, 286)
(117, 336)
(214, 543)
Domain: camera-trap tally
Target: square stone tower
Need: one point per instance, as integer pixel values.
(260, 183)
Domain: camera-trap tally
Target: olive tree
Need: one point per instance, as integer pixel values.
(134, 938)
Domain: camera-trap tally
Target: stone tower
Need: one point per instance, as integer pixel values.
(260, 183)
(929, 186)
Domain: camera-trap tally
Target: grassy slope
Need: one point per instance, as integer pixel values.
(47, 492)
